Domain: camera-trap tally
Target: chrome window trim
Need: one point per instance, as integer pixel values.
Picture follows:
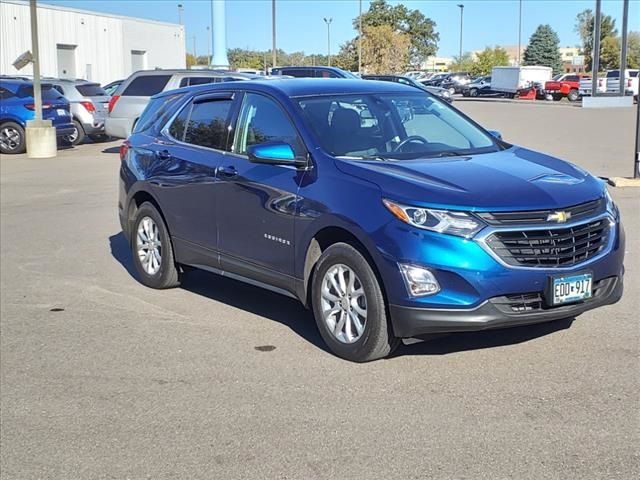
(481, 239)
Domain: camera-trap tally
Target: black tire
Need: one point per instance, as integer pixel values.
(377, 340)
(12, 144)
(473, 92)
(98, 137)
(556, 97)
(167, 274)
(70, 140)
(574, 95)
(465, 93)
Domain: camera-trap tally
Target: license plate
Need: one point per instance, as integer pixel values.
(571, 288)
(62, 112)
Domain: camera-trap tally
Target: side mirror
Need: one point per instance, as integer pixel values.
(495, 133)
(275, 153)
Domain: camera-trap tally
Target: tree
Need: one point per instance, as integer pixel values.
(190, 60)
(420, 30)
(347, 58)
(462, 64)
(585, 22)
(633, 50)
(610, 53)
(487, 59)
(384, 50)
(543, 49)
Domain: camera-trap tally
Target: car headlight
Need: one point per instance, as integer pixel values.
(442, 221)
(612, 208)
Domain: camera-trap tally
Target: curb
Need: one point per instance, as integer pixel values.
(624, 182)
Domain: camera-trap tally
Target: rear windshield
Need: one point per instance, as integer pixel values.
(158, 110)
(91, 90)
(48, 92)
(146, 85)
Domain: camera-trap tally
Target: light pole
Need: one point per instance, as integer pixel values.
(519, 32)
(208, 47)
(273, 33)
(360, 40)
(195, 54)
(180, 10)
(328, 22)
(461, 7)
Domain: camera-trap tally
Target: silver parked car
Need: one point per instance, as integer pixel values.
(130, 99)
(89, 104)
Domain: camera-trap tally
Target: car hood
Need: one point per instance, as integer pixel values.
(512, 179)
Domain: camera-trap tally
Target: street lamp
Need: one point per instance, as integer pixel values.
(180, 10)
(360, 40)
(273, 34)
(328, 22)
(519, 32)
(461, 7)
(208, 46)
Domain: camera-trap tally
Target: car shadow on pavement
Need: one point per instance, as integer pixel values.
(291, 313)
(111, 150)
(256, 300)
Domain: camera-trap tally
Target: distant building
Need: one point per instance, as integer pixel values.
(437, 64)
(572, 60)
(90, 45)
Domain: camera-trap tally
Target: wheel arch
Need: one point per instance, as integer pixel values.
(135, 201)
(323, 239)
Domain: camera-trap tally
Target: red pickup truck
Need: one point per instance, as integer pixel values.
(564, 85)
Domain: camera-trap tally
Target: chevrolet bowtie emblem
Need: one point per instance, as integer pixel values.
(558, 217)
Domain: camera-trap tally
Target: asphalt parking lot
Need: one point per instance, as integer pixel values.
(104, 378)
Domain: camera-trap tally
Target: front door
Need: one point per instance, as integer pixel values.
(257, 202)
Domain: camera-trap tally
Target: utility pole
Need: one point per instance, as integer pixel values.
(461, 6)
(328, 22)
(519, 32)
(195, 54)
(595, 56)
(273, 33)
(623, 48)
(360, 40)
(208, 47)
(37, 89)
(180, 9)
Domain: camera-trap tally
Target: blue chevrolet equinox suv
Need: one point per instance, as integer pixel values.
(386, 211)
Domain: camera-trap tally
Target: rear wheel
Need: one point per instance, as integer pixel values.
(152, 250)
(349, 307)
(12, 138)
(573, 95)
(76, 137)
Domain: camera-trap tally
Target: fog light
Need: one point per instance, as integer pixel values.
(419, 280)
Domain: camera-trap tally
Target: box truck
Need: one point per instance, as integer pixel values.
(509, 80)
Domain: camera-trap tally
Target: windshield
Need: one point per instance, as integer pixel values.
(392, 126)
(557, 77)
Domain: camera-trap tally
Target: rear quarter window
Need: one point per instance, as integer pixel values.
(157, 112)
(146, 85)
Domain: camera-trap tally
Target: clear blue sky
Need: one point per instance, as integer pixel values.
(300, 24)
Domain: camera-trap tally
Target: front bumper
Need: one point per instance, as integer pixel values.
(497, 312)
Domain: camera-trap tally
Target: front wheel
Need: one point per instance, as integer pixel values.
(349, 307)
(152, 250)
(473, 92)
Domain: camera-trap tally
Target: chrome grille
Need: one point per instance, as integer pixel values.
(548, 248)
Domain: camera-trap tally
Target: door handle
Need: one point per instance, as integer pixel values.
(163, 154)
(228, 172)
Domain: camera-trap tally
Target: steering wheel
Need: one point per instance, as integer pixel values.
(412, 138)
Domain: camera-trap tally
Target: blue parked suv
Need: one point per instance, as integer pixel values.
(388, 212)
(17, 107)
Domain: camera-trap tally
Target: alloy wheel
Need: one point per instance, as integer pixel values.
(10, 138)
(344, 303)
(149, 246)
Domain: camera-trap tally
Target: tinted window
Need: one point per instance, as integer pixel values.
(572, 78)
(186, 81)
(176, 130)
(5, 94)
(91, 90)
(207, 124)
(298, 72)
(48, 92)
(263, 120)
(157, 111)
(146, 85)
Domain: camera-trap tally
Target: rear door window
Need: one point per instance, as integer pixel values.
(207, 125)
(188, 81)
(146, 85)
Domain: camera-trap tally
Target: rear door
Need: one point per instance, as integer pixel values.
(187, 155)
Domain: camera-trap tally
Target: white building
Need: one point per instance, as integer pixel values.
(91, 45)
